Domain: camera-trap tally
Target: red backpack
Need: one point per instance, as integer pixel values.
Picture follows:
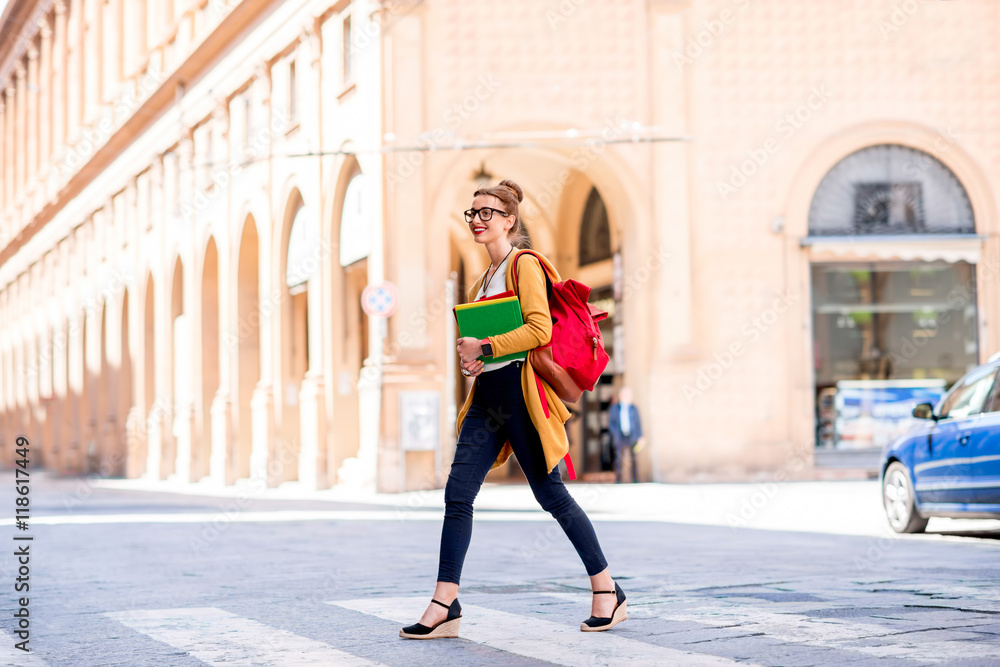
(574, 357)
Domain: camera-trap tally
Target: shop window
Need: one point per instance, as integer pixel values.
(893, 320)
(890, 189)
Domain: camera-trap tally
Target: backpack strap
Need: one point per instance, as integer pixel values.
(545, 271)
(570, 470)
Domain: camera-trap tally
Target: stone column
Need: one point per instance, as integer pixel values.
(670, 325)
(221, 465)
(45, 389)
(263, 406)
(20, 133)
(31, 130)
(412, 354)
(73, 455)
(59, 97)
(110, 365)
(111, 51)
(312, 395)
(44, 114)
(10, 148)
(60, 385)
(93, 84)
(45, 97)
(4, 167)
(74, 71)
(134, 21)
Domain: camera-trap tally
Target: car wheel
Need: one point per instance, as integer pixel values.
(899, 502)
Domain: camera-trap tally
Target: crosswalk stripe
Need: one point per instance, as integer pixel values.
(532, 637)
(15, 656)
(831, 633)
(218, 637)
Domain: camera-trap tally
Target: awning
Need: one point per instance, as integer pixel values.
(903, 247)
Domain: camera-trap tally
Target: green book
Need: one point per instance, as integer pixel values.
(490, 317)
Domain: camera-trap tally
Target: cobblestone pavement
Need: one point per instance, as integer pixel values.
(123, 576)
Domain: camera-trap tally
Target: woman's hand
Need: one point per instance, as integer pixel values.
(468, 350)
(473, 368)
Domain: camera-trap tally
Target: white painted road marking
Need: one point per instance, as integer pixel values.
(15, 656)
(831, 633)
(534, 638)
(218, 637)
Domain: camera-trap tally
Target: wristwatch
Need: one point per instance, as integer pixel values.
(487, 347)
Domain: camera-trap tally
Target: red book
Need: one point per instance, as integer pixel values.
(501, 295)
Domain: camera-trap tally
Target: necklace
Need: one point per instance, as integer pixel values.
(486, 283)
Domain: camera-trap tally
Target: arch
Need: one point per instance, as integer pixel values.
(301, 238)
(890, 189)
(801, 185)
(557, 187)
(346, 323)
(805, 178)
(594, 238)
(297, 264)
(555, 193)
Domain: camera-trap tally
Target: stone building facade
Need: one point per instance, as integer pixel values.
(195, 196)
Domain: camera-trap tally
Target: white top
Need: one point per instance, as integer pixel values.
(498, 284)
(625, 422)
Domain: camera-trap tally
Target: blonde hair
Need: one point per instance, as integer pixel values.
(510, 195)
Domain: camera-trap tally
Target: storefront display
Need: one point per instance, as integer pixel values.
(871, 413)
(886, 333)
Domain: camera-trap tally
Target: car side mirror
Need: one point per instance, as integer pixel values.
(924, 411)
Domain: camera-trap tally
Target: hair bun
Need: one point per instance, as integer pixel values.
(513, 187)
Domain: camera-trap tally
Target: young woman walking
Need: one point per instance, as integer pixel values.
(509, 411)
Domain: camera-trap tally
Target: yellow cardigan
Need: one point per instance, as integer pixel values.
(536, 331)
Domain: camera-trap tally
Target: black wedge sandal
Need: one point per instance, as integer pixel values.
(446, 628)
(598, 623)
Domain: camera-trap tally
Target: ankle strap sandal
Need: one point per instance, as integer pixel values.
(620, 613)
(446, 628)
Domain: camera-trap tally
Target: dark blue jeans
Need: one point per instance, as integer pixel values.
(498, 413)
(619, 454)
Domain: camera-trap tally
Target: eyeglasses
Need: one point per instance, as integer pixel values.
(484, 213)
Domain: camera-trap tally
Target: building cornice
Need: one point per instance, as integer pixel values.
(19, 25)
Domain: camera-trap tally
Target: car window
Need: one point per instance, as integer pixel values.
(968, 399)
(994, 401)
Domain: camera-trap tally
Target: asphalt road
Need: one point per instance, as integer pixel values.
(128, 577)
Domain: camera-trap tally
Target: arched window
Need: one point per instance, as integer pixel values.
(355, 223)
(303, 243)
(595, 231)
(890, 189)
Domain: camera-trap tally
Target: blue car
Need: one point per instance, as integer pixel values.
(949, 465)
